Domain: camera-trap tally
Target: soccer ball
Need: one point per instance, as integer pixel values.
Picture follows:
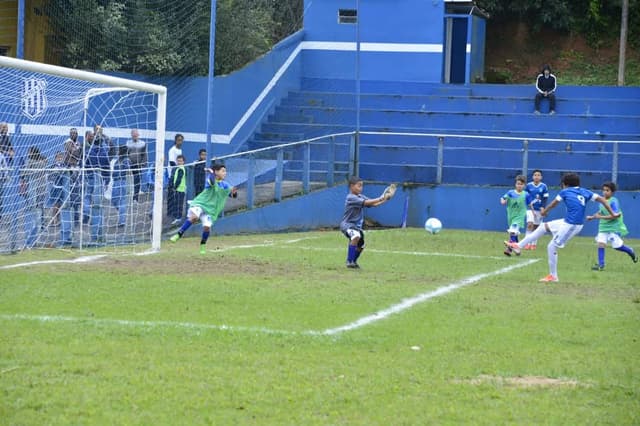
(433, 225)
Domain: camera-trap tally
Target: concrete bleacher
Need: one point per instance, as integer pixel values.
(588, 120)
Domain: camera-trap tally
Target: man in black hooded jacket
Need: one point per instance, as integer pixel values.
(546, 86)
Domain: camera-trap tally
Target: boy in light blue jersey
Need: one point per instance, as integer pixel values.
(353, 219)
(537, 197)
(575, 199)
(206, 207)
(516, 202)
(610, 229)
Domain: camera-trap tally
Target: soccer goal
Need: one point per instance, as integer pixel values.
(81, 158)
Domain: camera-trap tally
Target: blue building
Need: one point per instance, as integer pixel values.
(410, 40)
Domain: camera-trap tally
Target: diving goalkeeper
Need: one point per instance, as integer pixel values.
(208, 204)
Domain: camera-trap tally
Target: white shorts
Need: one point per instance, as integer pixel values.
(205, 219)
(353, 233)
(562, 231)
(609, 237)
(534, 216)
(514, 229)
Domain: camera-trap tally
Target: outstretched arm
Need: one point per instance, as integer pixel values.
(375, 202)
(545, 210)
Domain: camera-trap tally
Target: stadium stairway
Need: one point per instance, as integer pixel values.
(600, 114)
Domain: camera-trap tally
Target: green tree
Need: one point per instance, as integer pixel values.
(243, 32)
(165, 37)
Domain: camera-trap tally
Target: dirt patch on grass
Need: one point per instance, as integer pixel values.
(520, 381)
(218, 264)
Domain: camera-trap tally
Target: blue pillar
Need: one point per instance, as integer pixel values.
(212, 55)
(20, 37)
(356, 158)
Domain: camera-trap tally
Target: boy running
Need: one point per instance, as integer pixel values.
(575, 199)
(208, 204)
(516, 202)
(610, 228)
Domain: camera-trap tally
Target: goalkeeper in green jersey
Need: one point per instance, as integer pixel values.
(610, 229)
(208, 204)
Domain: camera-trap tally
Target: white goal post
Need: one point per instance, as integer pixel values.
(23, 110)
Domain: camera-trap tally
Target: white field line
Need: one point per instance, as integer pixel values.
(369, 319)
(83, 259)
(265, 244)
(409, 303)
(408, 253)
(141, 324)
(86, 259)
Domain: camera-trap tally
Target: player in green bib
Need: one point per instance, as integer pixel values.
(206, 207)
(610, 229)
(516, 202)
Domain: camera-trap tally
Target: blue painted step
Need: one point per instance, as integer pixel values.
(630, 107)
(502, 90)
(488, 121)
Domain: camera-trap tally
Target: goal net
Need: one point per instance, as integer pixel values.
(80, 159)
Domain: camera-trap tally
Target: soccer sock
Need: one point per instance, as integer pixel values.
(184, 227)
(351, 254)
(601, 256)
(540, 231)
(627, 250)
(513, 238)
(552, 253)
(358, 253)
(205, 237)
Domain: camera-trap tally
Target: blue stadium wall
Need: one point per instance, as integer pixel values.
(458, 207)
(325, 49)
(399, 41)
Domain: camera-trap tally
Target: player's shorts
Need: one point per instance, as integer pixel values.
(562, 231)
(352, 233)
(204, 218)
(534, 216)
(611, 238)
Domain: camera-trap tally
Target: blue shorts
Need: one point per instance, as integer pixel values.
(57, 196)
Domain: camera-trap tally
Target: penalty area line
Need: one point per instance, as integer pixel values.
(83, 259)
(409, 303)
(141, 324)
(361, 322)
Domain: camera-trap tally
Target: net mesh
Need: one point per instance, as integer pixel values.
(76, 163)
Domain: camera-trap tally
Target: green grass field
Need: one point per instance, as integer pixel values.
(274, 330)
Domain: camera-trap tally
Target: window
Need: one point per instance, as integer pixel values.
(347, 16)
(4, 50)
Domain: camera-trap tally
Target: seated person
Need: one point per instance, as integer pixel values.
(546, 86)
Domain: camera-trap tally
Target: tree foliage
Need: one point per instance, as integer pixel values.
(596, 20)
(165, 37)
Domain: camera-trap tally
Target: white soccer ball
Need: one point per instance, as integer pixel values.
(433, 225)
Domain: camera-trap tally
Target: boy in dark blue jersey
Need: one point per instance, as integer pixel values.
(575, 199)
(537, 197)
(353, 218)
